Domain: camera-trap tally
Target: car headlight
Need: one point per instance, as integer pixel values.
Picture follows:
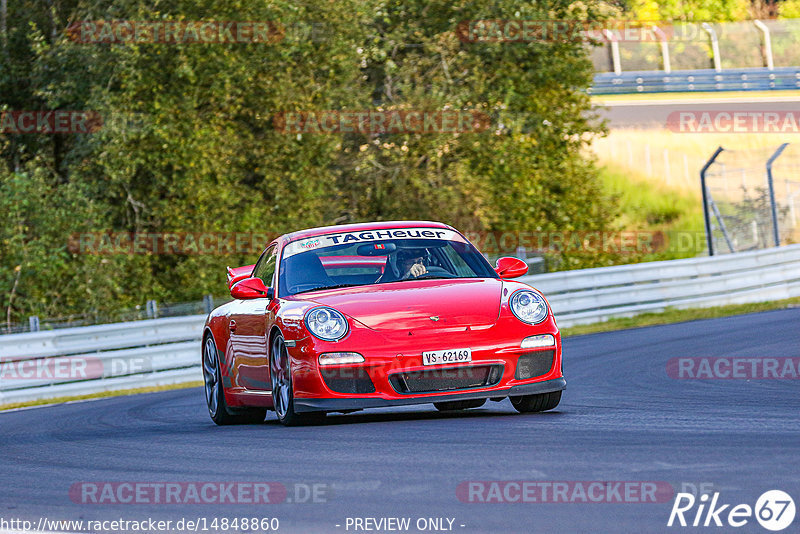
(326, 324)
(529, 306)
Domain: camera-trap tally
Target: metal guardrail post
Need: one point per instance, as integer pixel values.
(775, 233)
(767, 44)
(662, 37)
(714, 46)
(208, 303)
(706, 216)
(33, 321)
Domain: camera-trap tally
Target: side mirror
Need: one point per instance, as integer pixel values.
(510, 267)
(238, 274)
(251, 288)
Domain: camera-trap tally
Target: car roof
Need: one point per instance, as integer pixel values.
(362, 227)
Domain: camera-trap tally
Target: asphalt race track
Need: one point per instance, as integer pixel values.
(622, 418)
(655, 113)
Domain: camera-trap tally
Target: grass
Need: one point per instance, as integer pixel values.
(649, 206)
(101, 395)
(674, 159)
(648, 163)
(672, 315)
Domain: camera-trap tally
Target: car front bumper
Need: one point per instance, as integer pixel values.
(393, 373)
(358, 403)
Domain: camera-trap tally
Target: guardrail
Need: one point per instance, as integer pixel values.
(593, 295)
(751, 79)
(79, 361)
(94, 359)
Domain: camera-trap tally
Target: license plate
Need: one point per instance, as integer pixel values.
(435, 357)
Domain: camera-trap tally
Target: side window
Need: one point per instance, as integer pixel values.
(265, 268)
(462, 269)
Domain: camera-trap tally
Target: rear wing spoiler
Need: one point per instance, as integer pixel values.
(236, 274)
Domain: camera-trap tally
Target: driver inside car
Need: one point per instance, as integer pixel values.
(411, 263)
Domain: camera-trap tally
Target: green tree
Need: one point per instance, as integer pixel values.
(189, 142)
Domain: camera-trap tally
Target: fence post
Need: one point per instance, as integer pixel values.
(208, 303)
(33, 321)
(615, 61)
(152, 309)
(706, 215)
(775, 234)
(714, 46)
(767, 44)
(662, 37)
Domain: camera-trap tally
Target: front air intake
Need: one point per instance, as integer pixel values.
(446, 379)
(354, 380)
(534, 364)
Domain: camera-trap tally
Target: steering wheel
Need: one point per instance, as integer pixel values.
(437, 272)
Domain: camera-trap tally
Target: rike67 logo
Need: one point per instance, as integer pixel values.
(774, 510)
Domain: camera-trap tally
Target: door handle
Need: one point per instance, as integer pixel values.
(232, 325)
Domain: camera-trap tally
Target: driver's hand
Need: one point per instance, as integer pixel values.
(417, 270)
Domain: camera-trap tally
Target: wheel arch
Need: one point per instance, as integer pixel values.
(273, 331)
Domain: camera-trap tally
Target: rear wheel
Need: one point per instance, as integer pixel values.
(218, 409)
(536, 403)
(450, 406)
(282, 393)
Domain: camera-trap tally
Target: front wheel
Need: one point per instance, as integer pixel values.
(218, 409)
(536, 403)
(282, 394)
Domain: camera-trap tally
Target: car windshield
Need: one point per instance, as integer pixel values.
(378, 257)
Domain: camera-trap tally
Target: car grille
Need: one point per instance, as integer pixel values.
(348, 380)
(446, 379)
(534, 364)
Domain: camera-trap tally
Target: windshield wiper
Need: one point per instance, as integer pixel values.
(322, 288)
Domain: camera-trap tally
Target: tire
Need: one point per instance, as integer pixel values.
(536, 403)
(218, 409)
(282, 394)
(449, 406)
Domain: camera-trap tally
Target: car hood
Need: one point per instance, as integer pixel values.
(418, 304)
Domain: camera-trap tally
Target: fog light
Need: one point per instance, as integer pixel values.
(534, 342)
(335, 358)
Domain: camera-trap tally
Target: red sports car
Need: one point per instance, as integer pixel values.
(343, 318)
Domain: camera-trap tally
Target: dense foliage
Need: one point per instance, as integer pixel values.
(190, 144)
